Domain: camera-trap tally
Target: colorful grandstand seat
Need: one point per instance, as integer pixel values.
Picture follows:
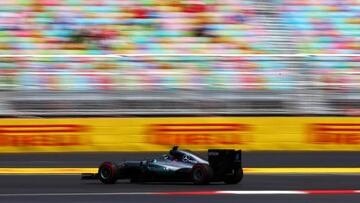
(92, 27)
(146, 73)
(335, 73)
(130, 26)
(323, 26)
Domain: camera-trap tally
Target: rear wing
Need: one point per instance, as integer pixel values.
(223, 161)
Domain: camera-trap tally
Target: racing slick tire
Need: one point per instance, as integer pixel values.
(201, 174)
(234, 178)
(107, 172)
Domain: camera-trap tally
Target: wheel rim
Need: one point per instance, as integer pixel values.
(105, 173)
(198, 174)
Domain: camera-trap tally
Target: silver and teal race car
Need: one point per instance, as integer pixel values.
(176, 166)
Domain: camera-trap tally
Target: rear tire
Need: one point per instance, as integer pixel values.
(236, 176)
(107, 173)
(201, 174)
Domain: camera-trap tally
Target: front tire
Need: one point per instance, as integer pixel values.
(107, 173)
(201, 174)
(236, 176)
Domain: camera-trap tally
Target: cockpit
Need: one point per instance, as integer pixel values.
(181, 156)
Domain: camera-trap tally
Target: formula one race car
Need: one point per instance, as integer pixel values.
(177, 165)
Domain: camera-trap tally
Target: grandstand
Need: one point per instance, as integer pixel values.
(132, 27)
(112, 57)
(322, 26)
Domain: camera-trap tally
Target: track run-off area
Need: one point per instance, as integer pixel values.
(269, 177)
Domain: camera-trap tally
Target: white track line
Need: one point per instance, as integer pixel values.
(76, 194)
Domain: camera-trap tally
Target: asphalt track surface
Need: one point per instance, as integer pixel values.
(249, 159)
(69, 188)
